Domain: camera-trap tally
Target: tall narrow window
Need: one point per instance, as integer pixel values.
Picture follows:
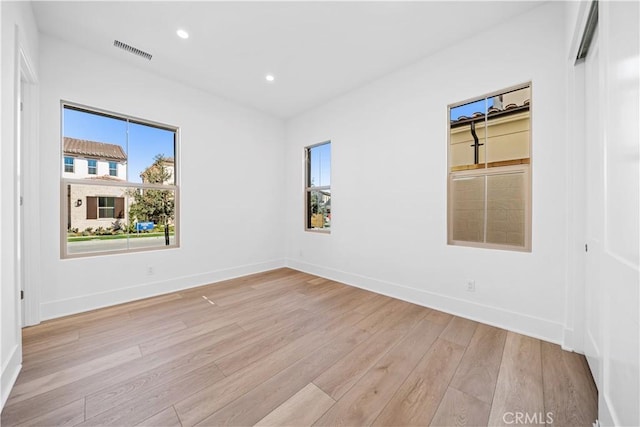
(69, 165)
(489, 171)
(318, 187)
(126, 198)
(92, 167)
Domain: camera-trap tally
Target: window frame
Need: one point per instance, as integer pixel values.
(64, 182)
(72, 165)
(525, 168)
(89, 167)
(114, 169)
(113, 208)
(308, 188)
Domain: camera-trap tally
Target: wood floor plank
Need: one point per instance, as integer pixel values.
(460, 410)
(302, 409)
(56, 379)
(15, 412)
(256, 403)
(155, 399)
(68, 415)
(89, 348)
(459, 331)
(419, 396)
(48, 343)
(373, 304)
(386, 316)
(220, 343)
(439, 317)
(165, 418)
(270, 320)
(340, 377)
(362, 404)
(478, 371)
(253, 308)
(302, 325)
(519, 386)
(568, 397)
(197, 407)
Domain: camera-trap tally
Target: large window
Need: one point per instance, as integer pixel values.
(489, 171)
(125, 198)
(318, 187)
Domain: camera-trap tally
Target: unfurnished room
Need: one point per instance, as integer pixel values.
(296, 213)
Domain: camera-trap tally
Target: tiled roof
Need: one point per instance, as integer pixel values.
(102, 150)
(493, 111)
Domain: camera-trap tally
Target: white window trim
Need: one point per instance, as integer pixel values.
(500, 170)
(175, 187)
(308, 189)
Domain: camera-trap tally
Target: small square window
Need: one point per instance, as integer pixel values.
(113, 168)
(92, 167)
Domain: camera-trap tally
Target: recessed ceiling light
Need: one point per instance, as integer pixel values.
(182, 34)
(269, 77)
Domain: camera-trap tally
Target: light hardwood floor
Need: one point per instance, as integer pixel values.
(288, 348)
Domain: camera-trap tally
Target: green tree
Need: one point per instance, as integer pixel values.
(152, 204)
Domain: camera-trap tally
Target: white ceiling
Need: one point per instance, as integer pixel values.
(316, 50)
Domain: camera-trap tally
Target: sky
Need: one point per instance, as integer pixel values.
(321, 165)
(470, 108)
(142, 145)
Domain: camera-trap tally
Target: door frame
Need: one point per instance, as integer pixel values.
(27, 218)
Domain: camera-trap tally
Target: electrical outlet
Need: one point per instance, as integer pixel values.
(150, 271)
(471, 286)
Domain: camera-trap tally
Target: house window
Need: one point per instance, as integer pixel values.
(106, 207)
(135, 206)
(68, 164)
(318, 187)
(489, 203)
(93, 167)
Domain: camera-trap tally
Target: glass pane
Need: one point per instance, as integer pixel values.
(320, 165)
(151, 154)
(319, 209)
(467, 135)
(508, 124)
(94, 135)
(467, 208)
(506, 209)
(109, 218)
(68, 164)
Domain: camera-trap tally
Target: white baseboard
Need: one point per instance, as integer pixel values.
(59, 308)
(10, 373)
(517, 322)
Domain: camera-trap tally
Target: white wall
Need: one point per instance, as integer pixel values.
(389, 182)
(231, 172)
(18, 28)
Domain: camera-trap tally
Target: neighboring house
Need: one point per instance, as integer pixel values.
(169, 168)
(93, 206)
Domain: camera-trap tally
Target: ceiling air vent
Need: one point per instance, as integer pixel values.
(132, 49)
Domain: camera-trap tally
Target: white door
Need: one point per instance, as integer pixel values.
(594, 147)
